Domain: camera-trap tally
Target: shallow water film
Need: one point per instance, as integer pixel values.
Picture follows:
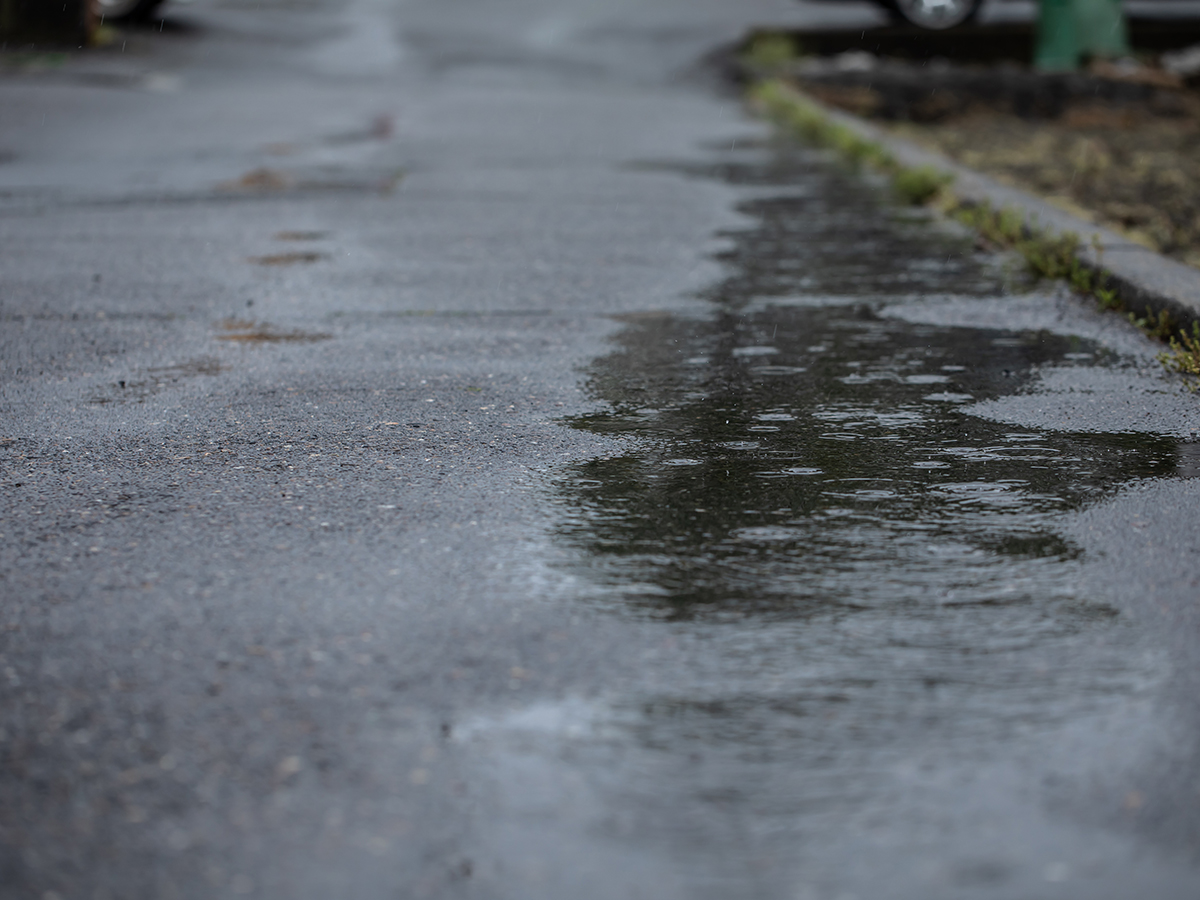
(883, 615)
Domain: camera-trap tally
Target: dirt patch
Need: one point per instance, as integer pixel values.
(287, 259)
(262, 179)
(301, 235)
(272, 182)
(249, 332)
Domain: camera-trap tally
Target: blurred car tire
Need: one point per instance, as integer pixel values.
(125, 10)
(934, 14)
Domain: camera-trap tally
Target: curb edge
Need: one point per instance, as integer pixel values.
(1142, 278)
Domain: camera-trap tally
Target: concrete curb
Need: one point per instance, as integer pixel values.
(1141, 278)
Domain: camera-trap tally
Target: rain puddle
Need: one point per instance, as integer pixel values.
(887, 654)
(801, 452)
(796, 459)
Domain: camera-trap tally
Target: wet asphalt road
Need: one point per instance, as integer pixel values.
(449, 451)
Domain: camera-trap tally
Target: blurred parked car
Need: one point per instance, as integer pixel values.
(125, 10)
(935, 14)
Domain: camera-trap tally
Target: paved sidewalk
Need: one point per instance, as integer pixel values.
(302, 567)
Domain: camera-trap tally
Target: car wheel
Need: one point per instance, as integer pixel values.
(935, 14)
(126, 10)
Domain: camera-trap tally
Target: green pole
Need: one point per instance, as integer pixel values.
(1070, 30)
(1102, 29)
(1057, 38)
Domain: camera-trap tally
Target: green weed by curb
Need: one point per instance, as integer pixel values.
(769, 52)
(1184, 355)
(1048, 255)
(920, 185)
(797, 113)
(1056, 256)
(915, 185)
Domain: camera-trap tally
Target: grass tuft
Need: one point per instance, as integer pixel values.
(1047, 255)
(1184, 355)
(1158, 325)
(768, 53)
(798, 114)
(921, 185)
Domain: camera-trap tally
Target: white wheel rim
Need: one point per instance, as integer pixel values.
(115, 7)
(936, 13)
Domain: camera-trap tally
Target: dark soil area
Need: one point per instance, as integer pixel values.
(1126, 169)
(978, 43)
(1118, 144)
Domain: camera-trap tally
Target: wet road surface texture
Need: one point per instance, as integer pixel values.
(450, 451)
